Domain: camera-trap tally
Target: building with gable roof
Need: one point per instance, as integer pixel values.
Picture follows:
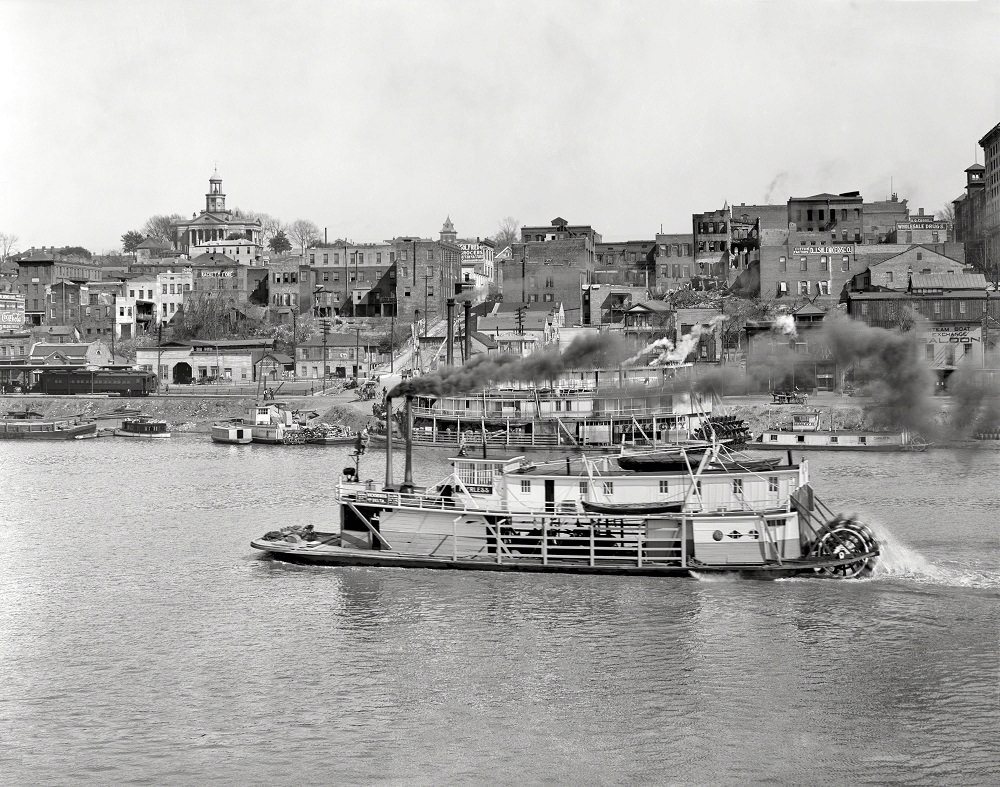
(893, 273)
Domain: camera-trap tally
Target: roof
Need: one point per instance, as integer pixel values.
(265, 343)
(976, 168)
(807, 310)
(650, 306)
(827, 196)
(343, 340)
(948, 281)
(279, 357)
(213, 260)
(510, 307)
(483, 339)
(68, 349)
(508, 322)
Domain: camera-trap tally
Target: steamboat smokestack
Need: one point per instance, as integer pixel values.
(450, 346)
(388, 443)
(408, 469)
(466, 337)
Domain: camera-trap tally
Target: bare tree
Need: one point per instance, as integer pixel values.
(8, 245)
(304, 233)
(508, 233)
(947, 213)
(161, 227)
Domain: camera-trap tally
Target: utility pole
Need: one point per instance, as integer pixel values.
(427, 314)
(357, 355)
(392, 335)
(520, 318)
(325, 323)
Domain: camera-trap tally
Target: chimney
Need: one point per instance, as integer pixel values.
(467, 350)
(408, 465)
(450, 341)
(921, 212)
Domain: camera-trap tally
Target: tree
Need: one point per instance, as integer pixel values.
(8, 245)
(304, 233)
(269, 225)
(76, 251)
(947, 213)
(131, 241)
(508, 233)
(280, 244)
(161, 227)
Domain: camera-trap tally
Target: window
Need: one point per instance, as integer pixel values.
(937, 307)
(804, 287)
(525, 486)
(823, 287)
(782, 264)
(803, 264)
(845, 263)
(609, 487)
(664, 486)
(888, 277)
(737, 486)
(772, 483)
(549, 282)
(326, 258)
(967, 349)
(961, 307)
(583, 489)
(824, 263)
(920, 255)
(782, 288)
(909, 237)
(549, 297)
(430, 254)
(864, 308)
(935, 237)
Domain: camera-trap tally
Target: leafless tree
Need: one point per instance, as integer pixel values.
(947, 213)
(8, 245)
(304, 233)
(161, 226)
(508, 233)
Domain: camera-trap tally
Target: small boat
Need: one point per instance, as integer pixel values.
(807, 434)
(590, 516)
(32, 426)
(232, 433)
(143, 427)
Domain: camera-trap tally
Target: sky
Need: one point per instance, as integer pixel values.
(379, 119)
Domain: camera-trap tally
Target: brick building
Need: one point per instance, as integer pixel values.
(921, 228)
(346, 355)
(893, 273)
(39, 270)
(631, 262)
(879, 219)
(290, 289)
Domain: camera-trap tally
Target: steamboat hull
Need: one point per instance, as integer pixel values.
(325, 555)
(24, 432)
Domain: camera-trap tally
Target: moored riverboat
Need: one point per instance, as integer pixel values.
(722, 513)
(32, 426)
(143, 427)
(807, 434)
(233, 433)
(587, 409)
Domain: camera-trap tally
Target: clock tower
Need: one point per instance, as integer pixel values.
(215, 200)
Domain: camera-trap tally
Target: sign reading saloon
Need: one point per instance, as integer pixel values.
(823, 250)
(954, 334)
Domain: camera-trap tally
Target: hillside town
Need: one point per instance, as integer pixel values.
(233, 297)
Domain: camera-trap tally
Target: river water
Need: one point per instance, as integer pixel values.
(143, 641)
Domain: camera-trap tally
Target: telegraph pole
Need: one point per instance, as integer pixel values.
(357, 355)
(325, 323)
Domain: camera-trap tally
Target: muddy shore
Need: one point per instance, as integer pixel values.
(188, 413)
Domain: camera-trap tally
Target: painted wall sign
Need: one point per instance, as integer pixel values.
(922, 225)
(954, 334)
(226, 274)
(823, 250)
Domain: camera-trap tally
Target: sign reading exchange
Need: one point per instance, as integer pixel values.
(954, 334)
(823, 250)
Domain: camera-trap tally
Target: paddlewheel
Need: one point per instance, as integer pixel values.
(843, 538)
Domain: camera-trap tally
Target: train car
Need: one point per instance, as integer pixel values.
(122, 383)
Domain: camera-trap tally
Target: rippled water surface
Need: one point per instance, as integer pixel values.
(143, 641)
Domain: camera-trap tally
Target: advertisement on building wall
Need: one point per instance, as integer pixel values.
(949, 345)
(823, 250)
(11, 311)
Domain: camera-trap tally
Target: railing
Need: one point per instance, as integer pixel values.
(529, 412)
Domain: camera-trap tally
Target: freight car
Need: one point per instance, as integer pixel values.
(123, 383)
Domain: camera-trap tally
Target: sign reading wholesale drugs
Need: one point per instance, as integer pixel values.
(11, 311)
(823, 250)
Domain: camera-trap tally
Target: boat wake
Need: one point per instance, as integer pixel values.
(900, 561)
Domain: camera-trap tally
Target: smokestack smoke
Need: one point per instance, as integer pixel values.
(671, 353)
(598, 350)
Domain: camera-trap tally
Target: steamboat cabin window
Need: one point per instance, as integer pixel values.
(609, 487)
(583, 489)
(737, 486)
(664, 486)
(525, 486)
(772, 483)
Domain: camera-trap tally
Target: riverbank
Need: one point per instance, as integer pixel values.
(196, 413)
(188, 413)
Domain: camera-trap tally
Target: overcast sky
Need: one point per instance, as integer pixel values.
(377, 119)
